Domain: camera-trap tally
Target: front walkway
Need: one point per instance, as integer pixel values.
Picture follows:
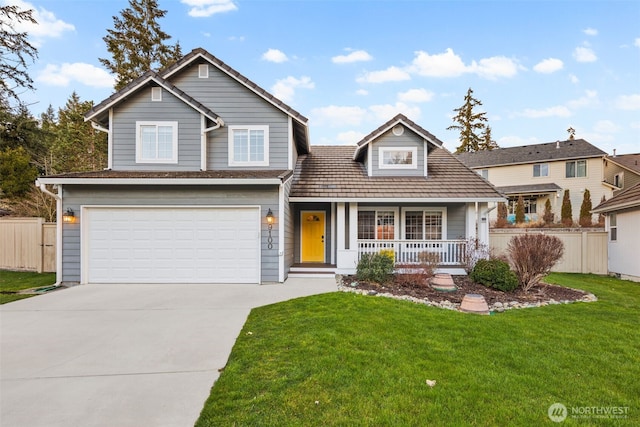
(124, 355)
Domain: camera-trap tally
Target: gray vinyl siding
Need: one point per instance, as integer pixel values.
(236, 105)
(76, 196)
(388, 139)
(140, 108)
(320, 207)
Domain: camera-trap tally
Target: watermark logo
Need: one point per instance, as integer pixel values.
(557, 412)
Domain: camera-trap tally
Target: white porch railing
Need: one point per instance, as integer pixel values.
(451, 252)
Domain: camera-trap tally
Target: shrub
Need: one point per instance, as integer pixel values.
(503, 214)
(494, 273)
(548, 214)
(474, 250)
(585, 210)
(566, 214)
(374, 267)
(532, 257)
(520, 217)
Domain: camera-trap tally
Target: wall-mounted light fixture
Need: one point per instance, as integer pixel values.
(270, 220)
(69, 216)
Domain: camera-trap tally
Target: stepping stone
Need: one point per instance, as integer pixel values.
(443, 282)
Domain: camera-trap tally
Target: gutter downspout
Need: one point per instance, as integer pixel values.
(203, 139)
(58, 198)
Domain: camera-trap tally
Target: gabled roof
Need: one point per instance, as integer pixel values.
(629, 198)
(147, 79)
(329, 173)
(536, 153)
(198, 53)
(627, 161)
(398, 119)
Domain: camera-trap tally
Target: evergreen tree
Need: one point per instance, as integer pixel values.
(136, 42)
(503, 213)
(548, 214)
(601, 215)
(585, 209)
(566, 214)
(77, 146)
(16, 171)
(487, 143)
(520, 210)
(468, 124)
(15, 53)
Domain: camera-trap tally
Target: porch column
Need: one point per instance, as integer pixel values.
(471, 220)
(353, 226)
(347, 259)
(340, 226)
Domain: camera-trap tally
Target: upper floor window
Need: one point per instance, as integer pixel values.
(156, 142)
(249, 145)
(203, 71)
(617, 180)
(398, 157)
(576, 169)
(484, 173)
(541, 170)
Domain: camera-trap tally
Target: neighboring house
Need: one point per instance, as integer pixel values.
(211, 179)
(622, 171)
(622, 221)
(542, 172)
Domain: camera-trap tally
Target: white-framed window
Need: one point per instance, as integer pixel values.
(249, 145)
(203, 71)
(530, 205)
(425, 223)
(156, 93)
(541, 169)
(398, 157)
(484, 173)
(156, 142)
(613, 227)
(617, 180)
(576, 169)
(377, 224)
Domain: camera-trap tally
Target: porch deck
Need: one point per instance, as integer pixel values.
(450, 252)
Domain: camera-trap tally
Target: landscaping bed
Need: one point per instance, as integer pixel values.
(401, 286)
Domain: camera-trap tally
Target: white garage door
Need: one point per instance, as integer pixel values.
(171, 245)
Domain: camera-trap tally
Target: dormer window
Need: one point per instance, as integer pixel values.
(156, 94)
(398, 157)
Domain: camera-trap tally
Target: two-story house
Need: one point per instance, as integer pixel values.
(211, 179)
(622, 171)
(542, 172)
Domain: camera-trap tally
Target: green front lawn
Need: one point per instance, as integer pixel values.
(13, 281)
(347, 359)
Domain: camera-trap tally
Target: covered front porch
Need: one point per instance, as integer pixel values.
(347, 230)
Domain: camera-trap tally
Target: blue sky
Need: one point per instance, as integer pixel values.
(538, 67)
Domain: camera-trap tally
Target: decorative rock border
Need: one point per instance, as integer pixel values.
(497, 307)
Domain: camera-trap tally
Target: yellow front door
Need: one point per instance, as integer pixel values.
(312, 236)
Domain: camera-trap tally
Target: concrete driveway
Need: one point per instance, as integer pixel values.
(124, 355)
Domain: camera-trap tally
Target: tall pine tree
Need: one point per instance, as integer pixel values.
(469, 124)
(136, 42)
(487, 143)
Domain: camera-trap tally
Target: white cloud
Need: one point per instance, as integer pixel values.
(446, 64)
(355, 56)
(275, 55)
(391, 74)
(206, 8)
(48, 26)
(350, 137)
(416, 95)
(628, 102)
(556, 111)
(605, 126)
(285, 89)
(362, 92)
(336, 116)
(574, 79)
(589, 100)
(548, 66)
(386, 112)
(494, 67)
(590, 31)
(584, 54)
(87, 74)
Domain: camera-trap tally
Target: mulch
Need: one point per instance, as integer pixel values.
(401, 286)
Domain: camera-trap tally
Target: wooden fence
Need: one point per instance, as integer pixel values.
(27, 244)
(585, 251)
